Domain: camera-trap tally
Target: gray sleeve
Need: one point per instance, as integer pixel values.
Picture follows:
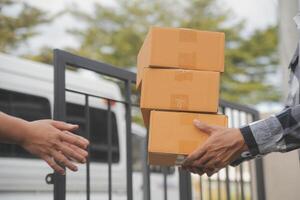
(278, 133)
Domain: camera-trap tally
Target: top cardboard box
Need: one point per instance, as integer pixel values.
(181, 48)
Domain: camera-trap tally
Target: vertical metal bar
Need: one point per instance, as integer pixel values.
(249, 163)
(237, 192)
(185, 188)
(59, 114)
(219, 186)
(260, 180)
(250, 183)
(236, 184)
(209, 189)
(201, 188)
(259, 168)
(109, 147)
(227, 181)
(242, 182)
(145, 170)
(87, 132)
(165, 183)
(128, 139)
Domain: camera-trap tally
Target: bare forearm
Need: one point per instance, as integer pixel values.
(12, 129)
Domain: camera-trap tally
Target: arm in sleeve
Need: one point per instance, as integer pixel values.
(279, 133)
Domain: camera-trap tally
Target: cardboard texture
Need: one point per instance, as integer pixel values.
(181, 48)
(179, 90)
(172, 135)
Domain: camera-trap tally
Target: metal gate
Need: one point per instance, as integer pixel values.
(62, 59)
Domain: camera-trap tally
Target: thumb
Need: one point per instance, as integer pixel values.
(203, 126)
(63, 126)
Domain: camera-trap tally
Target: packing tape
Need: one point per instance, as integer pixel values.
(187, 36)
(187, 54)
(179, 159)
(179, 101)
(187, 59)
(184, 75)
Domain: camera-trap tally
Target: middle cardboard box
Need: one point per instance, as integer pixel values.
(179, 90)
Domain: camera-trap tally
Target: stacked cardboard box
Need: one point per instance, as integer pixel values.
(178, 76)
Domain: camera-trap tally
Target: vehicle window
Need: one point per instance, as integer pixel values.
(30, 107)
(98, 131)
(25, 106)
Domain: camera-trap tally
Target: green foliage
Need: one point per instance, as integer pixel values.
(248, 64)
(18, 28)
(115, 34)
(45, 55)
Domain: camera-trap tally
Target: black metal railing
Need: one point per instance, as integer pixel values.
(223, 183)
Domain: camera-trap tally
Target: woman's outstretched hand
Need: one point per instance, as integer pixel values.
(53, 142)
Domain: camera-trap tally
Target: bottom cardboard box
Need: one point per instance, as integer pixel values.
(172, 135)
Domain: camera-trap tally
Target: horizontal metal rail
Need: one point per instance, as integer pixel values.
(96, 66)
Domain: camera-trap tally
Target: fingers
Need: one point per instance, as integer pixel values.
(202, 161)
(51, 162)
(63, 160)
(78, 150)
(74, 139)
(210, 172)
(63, 126)
(72, 152)
(78, 137)
(211, 164)
(200, 171)
(204, 127)
(194, 156)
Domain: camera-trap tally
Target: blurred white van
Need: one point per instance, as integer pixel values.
(26, 91)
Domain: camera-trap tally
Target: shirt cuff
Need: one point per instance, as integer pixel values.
(249, 140)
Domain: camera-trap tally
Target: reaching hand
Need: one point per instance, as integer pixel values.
(220, 149)
(53, 142)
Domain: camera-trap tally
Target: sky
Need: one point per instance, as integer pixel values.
(256, 13)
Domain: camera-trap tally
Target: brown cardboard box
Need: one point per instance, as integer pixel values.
(181, 48)
(146, 116)
(179, 90)
(172, 135)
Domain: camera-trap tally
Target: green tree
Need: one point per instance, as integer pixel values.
(248, 65)
(19, 27)
(115, 34)
(45, 55)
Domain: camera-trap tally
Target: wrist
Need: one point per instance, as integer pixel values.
(25, 128)
(241, 140)
(12, 130)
